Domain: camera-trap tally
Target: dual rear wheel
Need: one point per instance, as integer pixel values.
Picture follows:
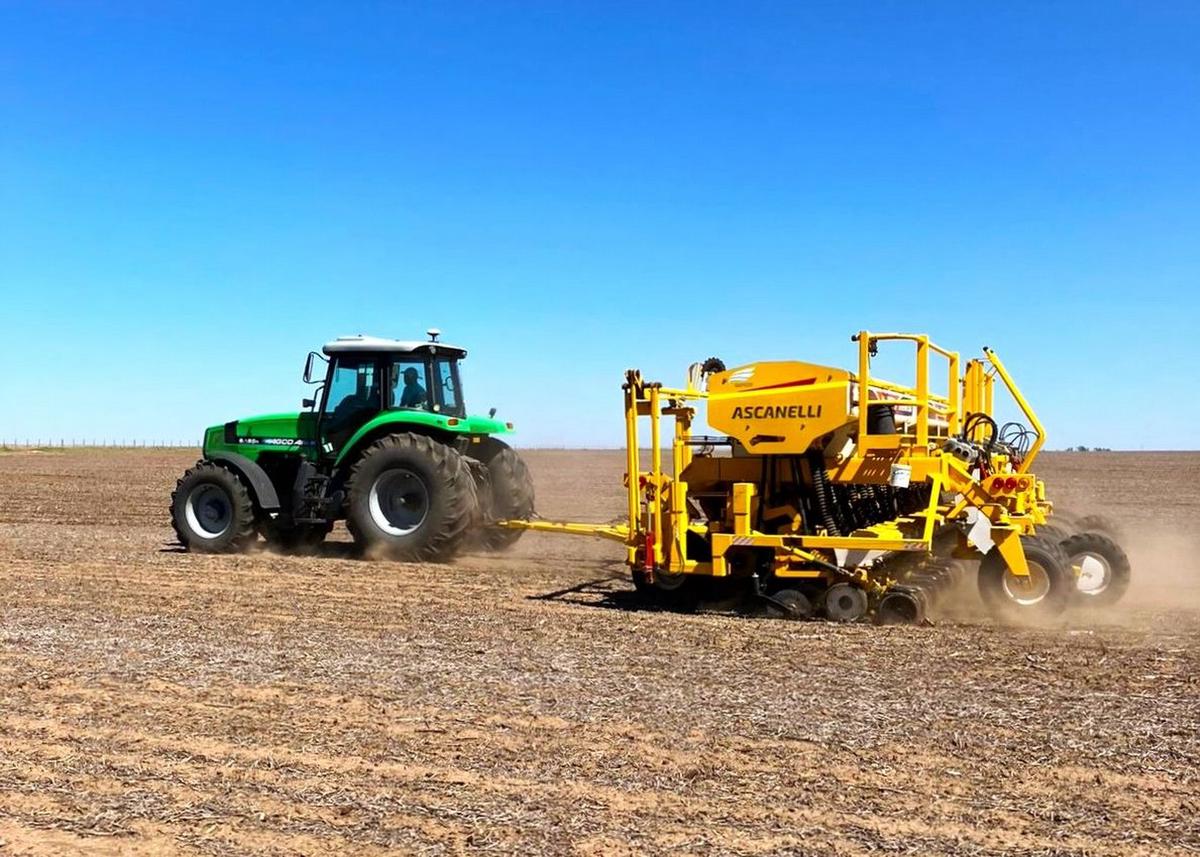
(1067, 566)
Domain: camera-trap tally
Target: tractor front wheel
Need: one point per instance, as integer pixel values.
(1041, 595)
(211, 510)
(410, 498)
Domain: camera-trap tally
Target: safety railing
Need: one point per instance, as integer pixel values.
(974, 392)
(999, 369)
(926, 404)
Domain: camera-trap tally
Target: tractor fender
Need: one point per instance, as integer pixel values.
(390, 422)
(254, 476)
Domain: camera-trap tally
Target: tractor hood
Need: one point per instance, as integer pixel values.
(267, 431)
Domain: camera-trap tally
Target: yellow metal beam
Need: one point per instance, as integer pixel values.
(922, 391)
(632, 465)
(743, 507)
(864, 378)
(1008, 542)
(1034, 423)
(656, 474)
(955, 401)
(615, 532)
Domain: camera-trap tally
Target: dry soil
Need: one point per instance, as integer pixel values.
(155, 701)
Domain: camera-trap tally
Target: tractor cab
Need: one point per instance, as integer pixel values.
(369, 375)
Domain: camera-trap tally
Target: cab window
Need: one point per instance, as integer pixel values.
(410, 385)
(354, 396)
(446, 372)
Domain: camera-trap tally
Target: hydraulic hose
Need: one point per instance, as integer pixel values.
(970, 424)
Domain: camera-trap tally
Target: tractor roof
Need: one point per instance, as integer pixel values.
(360, 343)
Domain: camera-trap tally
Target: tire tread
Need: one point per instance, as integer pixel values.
(1057, 565)
(1118, 562)
(461, 506)
(511, 496)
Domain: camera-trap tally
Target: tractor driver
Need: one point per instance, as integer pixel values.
(413, 395)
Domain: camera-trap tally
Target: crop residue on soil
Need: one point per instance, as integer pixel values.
(156, 701)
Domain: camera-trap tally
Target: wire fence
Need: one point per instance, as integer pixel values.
(94, 443)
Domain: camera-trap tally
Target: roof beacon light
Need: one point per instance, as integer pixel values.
(434, 333)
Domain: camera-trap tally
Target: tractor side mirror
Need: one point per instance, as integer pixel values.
(492, 413)
(309, 363)
(308, 403)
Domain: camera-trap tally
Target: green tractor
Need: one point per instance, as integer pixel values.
(386, 443)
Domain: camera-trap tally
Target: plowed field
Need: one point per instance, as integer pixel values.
(155, 701)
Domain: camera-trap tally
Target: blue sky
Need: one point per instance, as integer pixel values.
(191, 198)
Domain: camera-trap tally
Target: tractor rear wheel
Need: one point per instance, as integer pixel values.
(1041, 595)
(410, 498)
(1103, 569)
(509, 495)
(211, 510)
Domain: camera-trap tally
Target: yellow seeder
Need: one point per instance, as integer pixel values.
(841, 493)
